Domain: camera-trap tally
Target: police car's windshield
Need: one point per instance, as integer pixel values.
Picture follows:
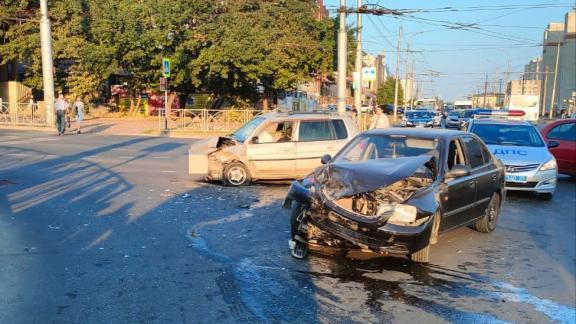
(243, 132)
(419, 114)
(512, 135)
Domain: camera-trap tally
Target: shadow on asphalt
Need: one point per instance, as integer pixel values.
(256, 278)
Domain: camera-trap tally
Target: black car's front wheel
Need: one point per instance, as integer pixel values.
(297, 217)
(487, 223)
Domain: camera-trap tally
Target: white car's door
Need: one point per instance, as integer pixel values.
(315, 138)
(273, 155)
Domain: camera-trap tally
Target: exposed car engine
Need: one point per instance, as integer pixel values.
(378, 202)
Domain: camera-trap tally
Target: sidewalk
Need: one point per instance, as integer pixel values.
(120, 126)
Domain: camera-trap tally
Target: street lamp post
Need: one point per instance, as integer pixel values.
(47, 63)
(342, 51)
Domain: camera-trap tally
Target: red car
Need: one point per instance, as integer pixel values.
(561, 138)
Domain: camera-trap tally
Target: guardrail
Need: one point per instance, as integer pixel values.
(22, 114)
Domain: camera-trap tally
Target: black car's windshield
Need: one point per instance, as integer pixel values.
(243, 132)
(514, 135)
(419, 114)
(374, 147)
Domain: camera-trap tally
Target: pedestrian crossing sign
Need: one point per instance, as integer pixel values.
(166, 67)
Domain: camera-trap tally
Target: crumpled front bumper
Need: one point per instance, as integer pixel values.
(370, 235)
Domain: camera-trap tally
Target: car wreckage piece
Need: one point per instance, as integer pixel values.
(380, 205)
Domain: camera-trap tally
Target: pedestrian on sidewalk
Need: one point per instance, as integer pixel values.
(379, 119)
(79, 111)
(60, 106)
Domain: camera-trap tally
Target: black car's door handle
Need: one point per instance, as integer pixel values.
(472, 184)
(494, 177)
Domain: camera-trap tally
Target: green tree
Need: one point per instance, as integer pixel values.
(225, 47)
(385, 93)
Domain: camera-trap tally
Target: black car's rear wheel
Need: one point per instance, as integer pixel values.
(487, 223)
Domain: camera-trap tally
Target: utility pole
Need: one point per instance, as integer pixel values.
(485, 89)
(358, 91)
(397, 72)
(342, 51)
(553, 96)
(545, 89)
(407, 88)
(47, 63)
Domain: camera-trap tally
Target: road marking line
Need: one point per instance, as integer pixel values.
(168, 171)
(15, 154)
(160, 157)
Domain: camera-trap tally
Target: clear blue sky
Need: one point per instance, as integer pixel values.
(462, 57)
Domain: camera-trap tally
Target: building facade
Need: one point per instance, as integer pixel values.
(532, 70)
(559, 65)
(524, 87)
(492, 100)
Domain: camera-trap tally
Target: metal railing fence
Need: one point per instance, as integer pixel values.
(206, 120)
(22, 114)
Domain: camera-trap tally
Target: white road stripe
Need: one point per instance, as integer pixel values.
(168, 171)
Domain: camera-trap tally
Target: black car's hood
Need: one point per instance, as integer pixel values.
(350, 178)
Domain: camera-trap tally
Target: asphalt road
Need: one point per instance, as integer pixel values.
(109, 229)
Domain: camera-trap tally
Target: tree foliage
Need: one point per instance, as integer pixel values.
(225, 47)
(385, 93)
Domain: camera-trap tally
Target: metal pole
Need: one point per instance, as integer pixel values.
(397, 73)
(553, 96)
(166, 112)
(342, 53)
(358, 92)
(47, 63)
(407, 88)
(545, 89)
(485, 89)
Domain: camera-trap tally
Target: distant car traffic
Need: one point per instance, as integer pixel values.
(395, 190)
(457, 118)
(334, 108)
(389, 110)
(561, 138)
(271, 146)
(418, 118)
(529, 164)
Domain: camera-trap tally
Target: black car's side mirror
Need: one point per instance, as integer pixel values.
(254, 140)
(458, 171)
(553, 144)
(325, 158)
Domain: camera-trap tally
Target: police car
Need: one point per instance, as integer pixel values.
(519, 145)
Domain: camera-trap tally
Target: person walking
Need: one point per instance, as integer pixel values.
(60, 107)
(379, 119)
(79, 111)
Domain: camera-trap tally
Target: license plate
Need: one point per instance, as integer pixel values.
(517, 179)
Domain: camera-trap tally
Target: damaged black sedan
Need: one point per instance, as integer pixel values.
(395, 190)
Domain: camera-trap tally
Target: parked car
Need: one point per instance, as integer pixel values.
(389, 110)
(271, 146)
(561, 138)
(395, 190)
(418, 118)
(529, 164)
